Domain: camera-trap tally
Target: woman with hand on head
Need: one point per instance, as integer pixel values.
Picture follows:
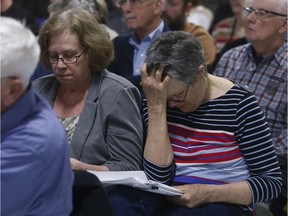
(206, 136)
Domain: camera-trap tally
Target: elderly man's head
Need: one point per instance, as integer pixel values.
(19, 58)
(266, 20)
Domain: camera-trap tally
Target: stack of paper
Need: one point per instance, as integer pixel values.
(135, 179)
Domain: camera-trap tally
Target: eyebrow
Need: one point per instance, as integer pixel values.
(63, 51)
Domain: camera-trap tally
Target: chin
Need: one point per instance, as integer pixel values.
(185, 109)
(250, 38)
(131, 24)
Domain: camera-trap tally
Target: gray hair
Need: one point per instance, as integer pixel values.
(179, 52)
(19, 50)
(93, 6)
(283, 6)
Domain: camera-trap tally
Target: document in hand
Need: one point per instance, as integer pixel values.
(135, 179)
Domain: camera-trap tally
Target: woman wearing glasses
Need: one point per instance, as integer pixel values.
(99, 110)
(206, 136)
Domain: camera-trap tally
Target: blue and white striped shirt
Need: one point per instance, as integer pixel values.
(224, 140)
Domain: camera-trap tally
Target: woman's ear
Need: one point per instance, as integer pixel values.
(202, 71)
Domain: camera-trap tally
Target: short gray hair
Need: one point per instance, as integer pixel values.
(99, 10)
(19, 50)
(283, 6)
(179, 52)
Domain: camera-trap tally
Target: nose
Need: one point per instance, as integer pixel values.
(251, 16)
(126, 6)
(60, 63)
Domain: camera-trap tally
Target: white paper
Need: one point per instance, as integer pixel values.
(135, 179)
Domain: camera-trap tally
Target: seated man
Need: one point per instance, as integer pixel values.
(206, 136)
(174, 14)
(261, 66)
(143, 18)
(36, 177)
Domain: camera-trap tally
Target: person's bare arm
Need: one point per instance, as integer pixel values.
(78, 165)
(199, 194)
(157, 147)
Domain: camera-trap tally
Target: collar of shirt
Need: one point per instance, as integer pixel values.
(17, 112)
(278, 55)
(140, 47)
(280, 58)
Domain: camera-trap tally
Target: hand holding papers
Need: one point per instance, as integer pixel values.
(136, 179)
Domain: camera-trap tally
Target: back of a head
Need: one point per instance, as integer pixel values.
(19, 50)
(179, 52)
(57, 5)
(92, 6)
(194, 2)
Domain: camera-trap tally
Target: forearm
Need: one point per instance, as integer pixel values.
(158, 148)
(199, 194)
(237, 193)
(95, 167)
(78, 165)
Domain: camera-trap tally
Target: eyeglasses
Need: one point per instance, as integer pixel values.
(182, 100)
(133, 3)
(260, 13)
(66, 60)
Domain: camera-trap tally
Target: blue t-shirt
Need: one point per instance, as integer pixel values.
(36, 176)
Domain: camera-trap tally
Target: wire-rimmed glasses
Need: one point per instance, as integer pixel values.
(184, 98)
(260, 13)
(66, 60)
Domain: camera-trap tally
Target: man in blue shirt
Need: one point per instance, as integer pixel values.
(143, 17)
(36, 177)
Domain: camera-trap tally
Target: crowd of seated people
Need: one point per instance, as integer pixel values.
(140, 85)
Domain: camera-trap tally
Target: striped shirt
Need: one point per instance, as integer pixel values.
(225, 140)
(268, 82)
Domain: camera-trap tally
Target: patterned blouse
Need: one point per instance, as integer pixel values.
(70, 125)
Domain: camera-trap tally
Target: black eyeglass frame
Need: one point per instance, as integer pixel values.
(248, 10)
(184, 99)
(63, 59)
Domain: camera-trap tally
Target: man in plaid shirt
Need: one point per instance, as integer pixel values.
(261, 66)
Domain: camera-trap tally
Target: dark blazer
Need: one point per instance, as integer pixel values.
(123, 61)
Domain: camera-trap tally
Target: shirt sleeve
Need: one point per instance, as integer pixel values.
(124, 134)
(255, 142)
(162, 174)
